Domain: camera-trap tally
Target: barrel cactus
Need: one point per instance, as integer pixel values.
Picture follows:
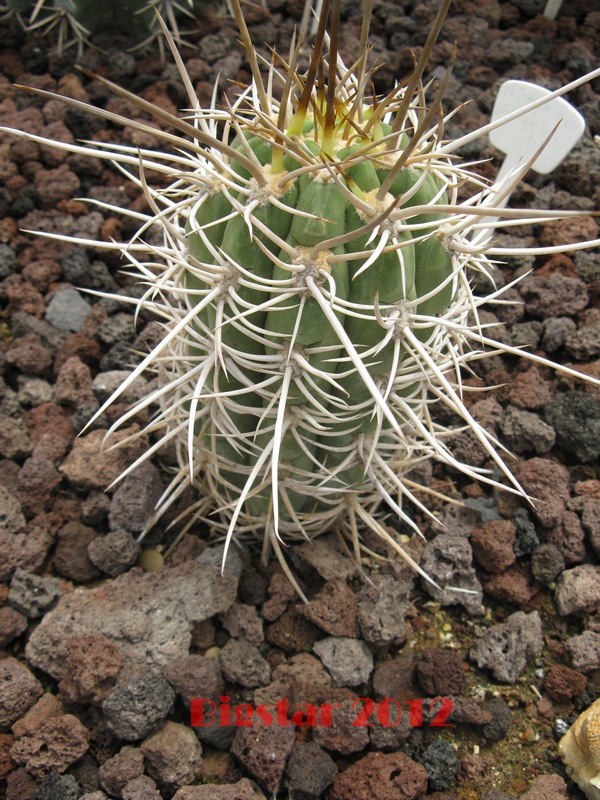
(314, 282)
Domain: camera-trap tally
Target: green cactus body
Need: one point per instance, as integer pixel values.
(316, 298)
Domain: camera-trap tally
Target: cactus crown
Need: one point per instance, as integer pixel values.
(315, 286)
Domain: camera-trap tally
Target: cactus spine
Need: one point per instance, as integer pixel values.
(314, 283)
(81, 19)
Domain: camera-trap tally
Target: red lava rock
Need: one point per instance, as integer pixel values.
(264, 752)
(73, 385)
(493, 545)
(24, 297)
(441, 672)
(333, 609)
(91, 465)
(569, 537)
(27, 550)
(292, 632)
(515, 585)
(37, 482)
(93, 664)
(76, 344)
(20, 784)
(12, 625)
(392, 776)
(590, 520)
(554, 295)
(126, 609)
(195, 676)
(397, 678)
(563, 683)
(243, 622)
(70, 555)
(173, 756)
(47, 707)
(476, 767)
(530, 391)
(6, 762)
(14, 440)
(547, 483)
(28, 355)
(341, 735)
(303, 680)
(49, 418)
(20, 690)
(119, 770)
(568, 231)
(243, 790)
(42, 273)
(53, 185)
(546, 787)
(321, 559)
(281, 594)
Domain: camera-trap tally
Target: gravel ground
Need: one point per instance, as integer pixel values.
(102, 655)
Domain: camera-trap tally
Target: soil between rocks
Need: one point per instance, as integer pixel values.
(102, 658)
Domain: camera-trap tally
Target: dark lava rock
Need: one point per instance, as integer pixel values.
(138, 704)
(309, 784)
(441, 672)
(575, 416)
(441, 763)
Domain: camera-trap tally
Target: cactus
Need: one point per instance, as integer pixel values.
(84, 18)
(314, 283)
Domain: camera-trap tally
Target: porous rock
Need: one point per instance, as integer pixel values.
(116, 772)
(448, 560)
(578, 590)
(32, 594)
(343, 735)
(348, 661)
(309, 784)
(264, 751)
(149, 615)
(194, 675)
(20, 690)
(245, 789)
(382, 607)
(56, 744)
(507, 648)
(92, 465)
(138, 703)
(93, 664)
(12, 625)
(386, 776)
(135, 499)
(242, 663)
(113, 553)
(585, 651)
(548, 482)
(173, 756)
(333, 609)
